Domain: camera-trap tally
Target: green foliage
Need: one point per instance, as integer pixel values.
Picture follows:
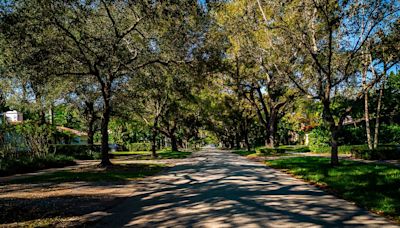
(143, 146)
(380, 153)
(244, 152)
(270, 151)
(344, 149)
(353, 135)
(37, 137)
(319, 138)
(390, 133)
(85, 152)
(295, 148)
(30, 164)
(374, 186)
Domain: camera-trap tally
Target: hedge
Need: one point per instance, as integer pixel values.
(344, 149)
(380, 153)
(77, 151)
(31, 164)
(267, 151)
(143, 146)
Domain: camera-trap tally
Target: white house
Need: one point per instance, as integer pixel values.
(13, 116)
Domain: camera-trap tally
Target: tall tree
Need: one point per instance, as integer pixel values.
(326, 38)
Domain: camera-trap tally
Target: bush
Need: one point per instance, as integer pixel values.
(380, 153)
(36, 137)
(268, 151)
(344, 149)
(391, 134)
(295, 148)
(77, 151)
(319, 139)
(139, 146)
(31, 164)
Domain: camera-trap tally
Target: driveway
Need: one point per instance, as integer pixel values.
(221, 189)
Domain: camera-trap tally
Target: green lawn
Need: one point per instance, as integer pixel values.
(163, 154)
(114, 173)
(373, 186)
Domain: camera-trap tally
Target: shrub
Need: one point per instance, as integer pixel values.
(77, 151)
(31, 164)
(268, 151)
(391, 133)
(344, 149)
(143, 146)
(319, 139)
(380, 153)
(36, 137)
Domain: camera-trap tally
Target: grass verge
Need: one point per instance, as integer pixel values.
(373, 186)
(115, 173)
(31, 164)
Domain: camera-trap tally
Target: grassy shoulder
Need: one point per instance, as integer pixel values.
(31, 164)
(373, 186)
(144, 155)
(263, 151)
(115, 173)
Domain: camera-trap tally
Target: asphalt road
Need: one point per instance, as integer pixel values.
(221, 189)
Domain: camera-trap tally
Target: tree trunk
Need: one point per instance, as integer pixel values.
(90, 133)
(378, 113)
(272, 124)
(154, 133)
(174, 143)
(334, 148)
(334, 132)
(237, 140)
(154, 144)
(366, 109)
(91, 119)
(105, 159)
(246, 141)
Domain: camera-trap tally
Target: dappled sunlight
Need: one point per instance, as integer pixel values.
(226, 191)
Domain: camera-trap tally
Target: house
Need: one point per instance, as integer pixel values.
(13, 116)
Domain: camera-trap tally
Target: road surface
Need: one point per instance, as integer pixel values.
(221, 189)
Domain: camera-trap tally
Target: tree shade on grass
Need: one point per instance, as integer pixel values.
(373, 186)
(115, 173)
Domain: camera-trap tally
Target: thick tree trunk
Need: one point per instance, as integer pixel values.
(334, 132)
(90, 133)
(272, 124)
(378, 113)
(105, 158)
(154, 144)
(154, 133)
(174, 142)
(246, 141)
(237, 140)
(245, 133)
(91, 119)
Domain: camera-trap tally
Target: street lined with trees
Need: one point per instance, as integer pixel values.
(101, 79)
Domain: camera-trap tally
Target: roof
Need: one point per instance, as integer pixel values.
(70, 130)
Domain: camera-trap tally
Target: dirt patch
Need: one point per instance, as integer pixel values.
(62, 203)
